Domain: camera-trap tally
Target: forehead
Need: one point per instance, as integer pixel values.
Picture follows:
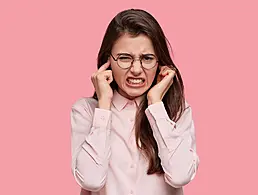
(140, 44)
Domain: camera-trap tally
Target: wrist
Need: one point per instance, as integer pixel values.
(153, 101)
(104, 104)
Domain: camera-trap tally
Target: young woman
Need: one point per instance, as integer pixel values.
(136, 134)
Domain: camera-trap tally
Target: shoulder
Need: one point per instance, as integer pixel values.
(187, 104)
(185, 119)
(186, 111)
(85, 104)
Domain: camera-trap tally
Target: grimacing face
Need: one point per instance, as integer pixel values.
(136, 80)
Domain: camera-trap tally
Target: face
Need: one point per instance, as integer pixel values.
(136, 80)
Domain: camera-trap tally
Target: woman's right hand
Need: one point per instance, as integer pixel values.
(101, 80)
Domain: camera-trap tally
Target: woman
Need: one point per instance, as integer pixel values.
(136, 134)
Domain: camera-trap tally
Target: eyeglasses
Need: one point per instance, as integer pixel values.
(125, 61)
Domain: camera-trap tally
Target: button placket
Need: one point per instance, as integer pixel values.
(133, 166)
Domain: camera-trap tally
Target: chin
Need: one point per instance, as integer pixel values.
(133, 92)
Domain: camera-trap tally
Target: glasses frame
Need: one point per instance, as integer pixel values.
(134, 59)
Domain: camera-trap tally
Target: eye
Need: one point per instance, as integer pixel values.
(148, 58)
(125, 58)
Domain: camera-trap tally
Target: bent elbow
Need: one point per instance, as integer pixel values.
(92, 183)
(176, 182)
(179, 180)
(180, 177)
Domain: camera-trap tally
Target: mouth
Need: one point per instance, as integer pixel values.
(135, 82)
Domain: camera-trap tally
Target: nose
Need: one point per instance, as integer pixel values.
(136, 67)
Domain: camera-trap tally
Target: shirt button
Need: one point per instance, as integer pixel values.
(102, 117)
(131, 192)
(131, 120)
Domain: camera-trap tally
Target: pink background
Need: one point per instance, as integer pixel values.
(48, 51)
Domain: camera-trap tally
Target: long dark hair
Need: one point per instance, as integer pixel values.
(135, 22)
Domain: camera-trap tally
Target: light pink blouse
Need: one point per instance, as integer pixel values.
(106, 161)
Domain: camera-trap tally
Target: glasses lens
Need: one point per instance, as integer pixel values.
(124, 61)
(149, 62)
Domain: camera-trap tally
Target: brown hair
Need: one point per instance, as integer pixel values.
(135, 22)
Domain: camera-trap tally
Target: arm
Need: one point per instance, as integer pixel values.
(176, 143)
(90, 145)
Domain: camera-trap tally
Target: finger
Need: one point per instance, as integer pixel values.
(168, 83)
(164, 73)
(164, 81)
(161, 68)
(164, 68)
(167, 71)
(108, 76)
(110, 80)
(167, 79)
(104, 66)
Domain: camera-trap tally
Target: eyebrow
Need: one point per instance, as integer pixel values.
(128, 54)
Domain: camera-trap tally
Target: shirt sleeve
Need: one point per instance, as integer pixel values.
(90, 132)
(176, 144)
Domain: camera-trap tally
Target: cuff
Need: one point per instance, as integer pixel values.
(157, 111)
(101, 118)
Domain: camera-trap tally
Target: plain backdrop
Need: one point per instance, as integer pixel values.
(48, 51)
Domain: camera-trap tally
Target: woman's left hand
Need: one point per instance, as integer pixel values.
(164, 81)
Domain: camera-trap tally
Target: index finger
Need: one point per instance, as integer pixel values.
(104, 66)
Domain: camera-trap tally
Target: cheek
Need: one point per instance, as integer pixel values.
(151, 77)
(118, 74)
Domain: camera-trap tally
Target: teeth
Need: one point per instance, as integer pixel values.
(135, 81)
